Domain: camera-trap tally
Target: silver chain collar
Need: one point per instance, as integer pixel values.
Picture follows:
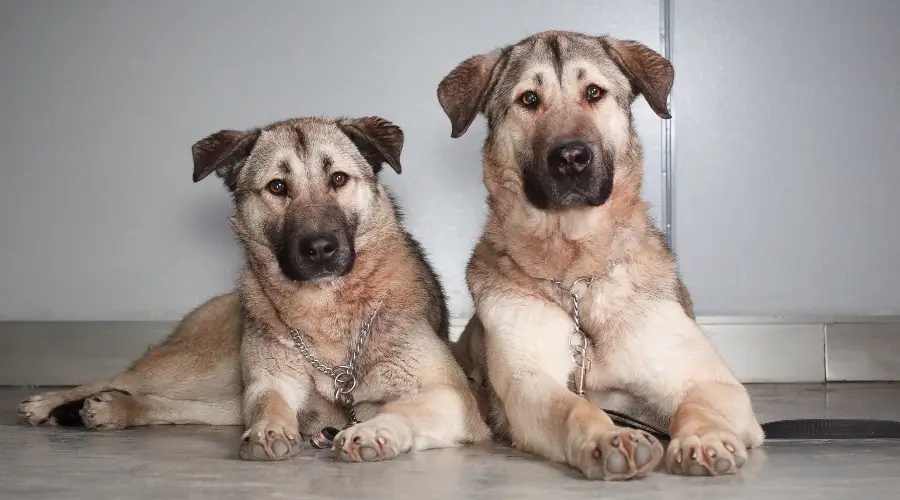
(578, 340)
(345, 377)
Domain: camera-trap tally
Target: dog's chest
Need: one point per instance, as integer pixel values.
(374, 381)
(607, 312)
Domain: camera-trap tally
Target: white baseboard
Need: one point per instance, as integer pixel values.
(758, 349)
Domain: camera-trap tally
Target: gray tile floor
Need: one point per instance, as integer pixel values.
(200, 462)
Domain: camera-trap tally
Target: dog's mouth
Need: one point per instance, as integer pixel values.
(571, 171)
(552, 194)
(577, 197)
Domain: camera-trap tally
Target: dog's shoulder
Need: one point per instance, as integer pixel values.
(428, 279)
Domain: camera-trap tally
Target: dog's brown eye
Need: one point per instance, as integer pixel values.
(594, 93)
(338, 179)
(277, 187)
(529, 99)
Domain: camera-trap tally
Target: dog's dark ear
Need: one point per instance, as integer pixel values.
(379, 140)
(223, 153)
(463, 92)
(650, 73)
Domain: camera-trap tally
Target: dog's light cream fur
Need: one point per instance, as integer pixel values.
(232, 361)
(648, 353)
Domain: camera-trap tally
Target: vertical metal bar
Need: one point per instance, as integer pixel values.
(668, 129)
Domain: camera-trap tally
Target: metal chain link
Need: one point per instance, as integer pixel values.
(580, 350)
(344, 376)
(298, 342)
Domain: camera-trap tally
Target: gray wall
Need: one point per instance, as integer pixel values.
(785, 134)
(100, 102)
(786, 156)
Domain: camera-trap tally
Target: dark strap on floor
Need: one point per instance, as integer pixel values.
(829, 428)
(799, 429)
(624, 420)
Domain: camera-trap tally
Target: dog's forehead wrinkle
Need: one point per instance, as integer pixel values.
(558, 53)
(343, 155)
(556, 57)
(527, 77)
(601, 73)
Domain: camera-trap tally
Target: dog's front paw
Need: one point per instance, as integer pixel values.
(617, 454)
(36, 409)
(271, 440)
(381, 438)
(107, 411)
(713, 453)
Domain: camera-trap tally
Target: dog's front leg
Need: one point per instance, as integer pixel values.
(711, 430)
(680, 372)
(529, 362)
(271, 400)
(438, 416)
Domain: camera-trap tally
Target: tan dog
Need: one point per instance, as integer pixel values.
(563, 164)
(332, 280)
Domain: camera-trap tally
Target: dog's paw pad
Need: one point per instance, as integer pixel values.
(620, 454)
(269, 441)
(37, 408)
(369, 442)
(711, 454)
(105, 411)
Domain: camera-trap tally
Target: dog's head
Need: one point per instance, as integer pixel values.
(558, 108)
(306, 190)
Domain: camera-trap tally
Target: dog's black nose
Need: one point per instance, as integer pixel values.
(319, 248)
(570, 158)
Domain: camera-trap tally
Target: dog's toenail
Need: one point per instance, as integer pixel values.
(729, 447)
(711, 453)
(615, 441)
(356, 440)
(694, 454)
(381, 442)
(596, 453)
(679, 456)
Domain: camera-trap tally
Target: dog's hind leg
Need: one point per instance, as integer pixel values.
(62, 407)
(198, 361)
(112, 410)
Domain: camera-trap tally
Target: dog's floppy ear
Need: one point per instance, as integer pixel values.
(650, 73)
(223, 153)
(463, 91)
(379, 140)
